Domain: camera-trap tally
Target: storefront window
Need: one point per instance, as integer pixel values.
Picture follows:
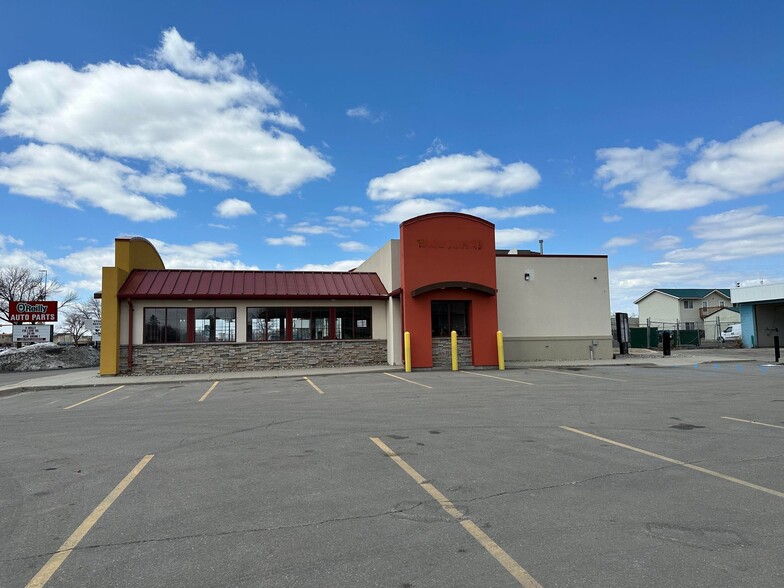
(165, 325)
(266, 324)
(215, 325)
(353, 322)
(447, 316)
(309, 323)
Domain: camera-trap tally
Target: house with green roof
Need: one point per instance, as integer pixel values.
(705, 309)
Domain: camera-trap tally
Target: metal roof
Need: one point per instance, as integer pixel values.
(184, 284)
(682, 293)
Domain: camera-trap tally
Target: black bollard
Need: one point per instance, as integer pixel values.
(666, 343)
(776, 347)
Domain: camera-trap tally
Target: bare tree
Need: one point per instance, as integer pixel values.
(74, 324)
(91, 309)
(22, 283)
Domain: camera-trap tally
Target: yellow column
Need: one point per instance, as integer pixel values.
(407, 350)
(454, 351)
(500, 338)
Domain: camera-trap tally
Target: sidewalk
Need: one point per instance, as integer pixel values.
(644, 357)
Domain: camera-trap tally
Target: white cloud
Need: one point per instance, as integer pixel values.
(353, 246)
(735, 234)
(183, 57)
(350, 209)
(201, 255)
(234, 207)
(336, 266)
(515, 237)
(58, 175)
(278, 216)
(437, 147)
(290, 240)
(611, 218)
(218, 226)
(358, 112)
(187, 113)
(306, 228)
(347, 223)
(666, 242)
(12, 253)
(85, 265)
(455, 174)
(492, 213)
(212, 181)
(415, 207)
(752, 163)
(616, 242)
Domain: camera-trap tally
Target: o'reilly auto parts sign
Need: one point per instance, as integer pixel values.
(40, 311)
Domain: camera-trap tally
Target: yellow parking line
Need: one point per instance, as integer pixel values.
(409, 381)
(515, 569)
(51, 566)
(207, 393)
(94, 397)
(576, 375)
(679, 462)
(316, 388)
(495, 377)
(753, 422)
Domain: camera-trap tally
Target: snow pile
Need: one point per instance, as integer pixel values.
(47, 356)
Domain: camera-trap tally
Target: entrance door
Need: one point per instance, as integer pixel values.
(447, 316)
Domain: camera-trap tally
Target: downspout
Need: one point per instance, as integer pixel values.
(130, 336)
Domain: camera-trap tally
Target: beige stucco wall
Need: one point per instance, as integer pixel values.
(379, 313)
(560, 312)
(386, 263)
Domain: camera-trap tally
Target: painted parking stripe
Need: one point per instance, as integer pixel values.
(679, 462)
(208, 392)
(576, 375)
(94, 397)
(753, 422)
(51, 566)
(495, 377)
(515, 569)
(316, 388)
(409, 381)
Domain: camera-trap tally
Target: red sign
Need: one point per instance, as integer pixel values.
(40, 311)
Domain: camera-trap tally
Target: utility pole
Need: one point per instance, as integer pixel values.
(46, 275)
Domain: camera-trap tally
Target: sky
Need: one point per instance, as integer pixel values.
(298, 135)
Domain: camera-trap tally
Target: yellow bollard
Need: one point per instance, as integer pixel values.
(500, 338)
(407, 350)
(454, 351)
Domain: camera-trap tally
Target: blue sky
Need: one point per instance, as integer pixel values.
(299, 135)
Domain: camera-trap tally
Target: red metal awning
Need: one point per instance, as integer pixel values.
(184, 284)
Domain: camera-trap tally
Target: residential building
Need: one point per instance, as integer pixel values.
(684, 308)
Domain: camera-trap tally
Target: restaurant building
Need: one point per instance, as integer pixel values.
(443, 274)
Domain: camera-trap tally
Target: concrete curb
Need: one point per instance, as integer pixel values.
(81, 380)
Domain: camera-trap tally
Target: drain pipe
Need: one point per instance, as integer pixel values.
(130, 336)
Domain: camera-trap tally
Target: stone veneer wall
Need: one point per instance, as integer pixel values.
(237, 357)
(442, 352)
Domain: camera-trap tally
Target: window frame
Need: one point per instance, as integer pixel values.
(164, 326)
(213, 337)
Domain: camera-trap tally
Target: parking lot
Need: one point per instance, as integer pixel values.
(605, 476)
